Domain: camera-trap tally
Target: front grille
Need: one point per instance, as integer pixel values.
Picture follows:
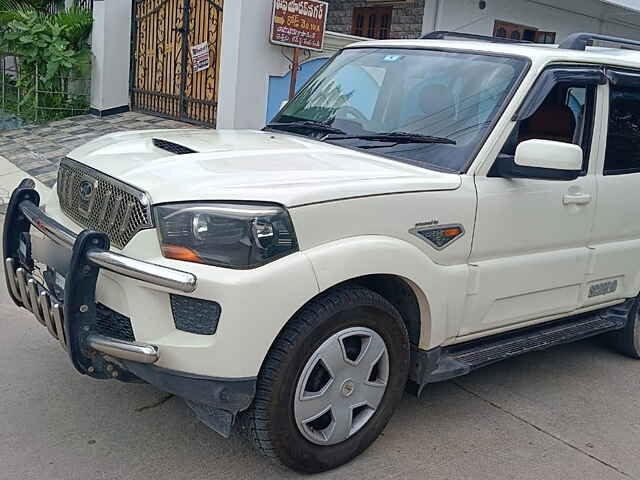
(101, 203)
(112, 324)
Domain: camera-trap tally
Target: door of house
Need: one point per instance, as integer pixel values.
(166, 78)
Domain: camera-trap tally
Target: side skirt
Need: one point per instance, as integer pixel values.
(444, 363)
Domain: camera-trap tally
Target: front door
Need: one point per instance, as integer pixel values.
(166, 79)
(529, 257)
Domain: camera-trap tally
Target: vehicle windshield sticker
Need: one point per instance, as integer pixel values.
(392, 58)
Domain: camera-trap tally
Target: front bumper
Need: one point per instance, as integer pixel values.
(72, 319)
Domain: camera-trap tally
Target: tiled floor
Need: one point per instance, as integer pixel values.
(38, 149)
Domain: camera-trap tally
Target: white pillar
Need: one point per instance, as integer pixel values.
(246, 62)
(111, 47)
(229, 59)
(430, 19)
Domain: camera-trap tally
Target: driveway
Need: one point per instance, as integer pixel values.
(569, 413)
(38, 149)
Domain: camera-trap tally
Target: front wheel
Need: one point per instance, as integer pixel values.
(331, 381)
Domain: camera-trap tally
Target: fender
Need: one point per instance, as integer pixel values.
(441, 290)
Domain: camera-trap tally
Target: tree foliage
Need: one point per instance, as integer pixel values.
(52, 52)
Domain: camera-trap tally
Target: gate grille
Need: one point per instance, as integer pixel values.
(163, 81)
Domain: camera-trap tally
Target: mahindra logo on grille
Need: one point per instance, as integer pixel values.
(86, 190)
(86, 194)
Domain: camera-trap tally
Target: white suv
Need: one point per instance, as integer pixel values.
(422, 208)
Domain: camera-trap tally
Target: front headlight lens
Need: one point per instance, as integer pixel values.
(225, 234)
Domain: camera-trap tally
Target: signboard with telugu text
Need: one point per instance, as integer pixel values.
(299, 23)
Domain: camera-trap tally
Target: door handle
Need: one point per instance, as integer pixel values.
(576, 199)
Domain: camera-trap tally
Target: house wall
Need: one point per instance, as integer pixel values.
(253, 73)
(563, 17)
(248, 63)
(406, 20)
(247, 59)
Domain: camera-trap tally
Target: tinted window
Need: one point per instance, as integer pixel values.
(623, 137)
(566, 115)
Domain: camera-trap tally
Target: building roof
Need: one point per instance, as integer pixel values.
(628, 4)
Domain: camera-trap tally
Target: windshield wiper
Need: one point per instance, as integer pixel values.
(394, 137)
(307, 125)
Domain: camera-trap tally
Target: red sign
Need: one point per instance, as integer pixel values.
(299, 23)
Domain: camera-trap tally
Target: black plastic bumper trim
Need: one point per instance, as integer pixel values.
(230, 394)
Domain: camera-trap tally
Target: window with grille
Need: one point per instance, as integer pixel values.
(516, 31)
(372, 22)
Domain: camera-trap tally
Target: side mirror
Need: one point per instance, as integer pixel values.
(542, 160)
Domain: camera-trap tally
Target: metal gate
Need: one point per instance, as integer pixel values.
(163, 80)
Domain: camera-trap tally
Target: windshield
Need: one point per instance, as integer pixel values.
(447, 101)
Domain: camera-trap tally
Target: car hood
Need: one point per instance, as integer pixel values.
(251, 165)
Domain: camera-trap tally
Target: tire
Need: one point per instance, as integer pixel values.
(627, 340)
(356, 318)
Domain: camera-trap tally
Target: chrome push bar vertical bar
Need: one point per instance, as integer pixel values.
(56, 312)
(45, 307)
(9, 265)
(32, 289)
(21, 276)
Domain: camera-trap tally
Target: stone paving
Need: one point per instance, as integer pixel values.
(38, 149)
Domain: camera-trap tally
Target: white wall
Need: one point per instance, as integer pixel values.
(111, 46)
(247, 60)
(560, 16)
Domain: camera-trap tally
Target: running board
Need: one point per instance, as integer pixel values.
(457, 360)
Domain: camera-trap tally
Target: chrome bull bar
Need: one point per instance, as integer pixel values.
(72, 321)
(50, 313)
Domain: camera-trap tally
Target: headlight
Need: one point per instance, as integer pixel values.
(225, 234)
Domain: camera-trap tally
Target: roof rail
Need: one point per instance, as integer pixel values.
(443, 35)
(579, 41)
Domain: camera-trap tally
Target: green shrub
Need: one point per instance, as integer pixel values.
(53, 56)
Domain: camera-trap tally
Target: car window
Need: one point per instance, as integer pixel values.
(566, 115)
(623, 135)
(576, 98)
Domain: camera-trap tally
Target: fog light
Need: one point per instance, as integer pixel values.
(194, 315)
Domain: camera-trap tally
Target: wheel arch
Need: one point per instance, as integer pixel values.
(427, 295)
(405, 296)
(402, 293)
